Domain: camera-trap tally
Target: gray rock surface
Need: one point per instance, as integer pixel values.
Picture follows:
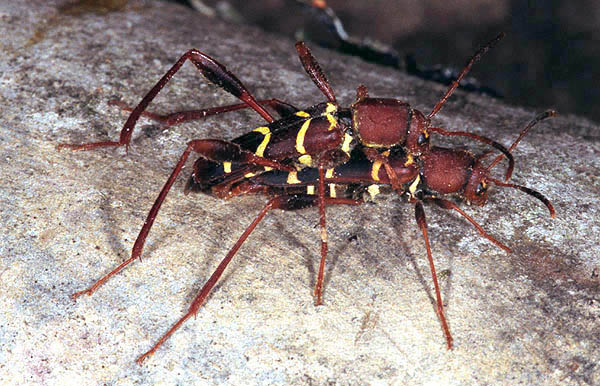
(528, 317)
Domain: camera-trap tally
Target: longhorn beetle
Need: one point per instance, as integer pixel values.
(375, 142)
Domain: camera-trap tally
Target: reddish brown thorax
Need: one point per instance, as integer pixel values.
(450, 171)
(446, 170)
(386, 122)
(380, 122)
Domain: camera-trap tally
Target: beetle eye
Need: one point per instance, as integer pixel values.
(423, 139)
(481, 189)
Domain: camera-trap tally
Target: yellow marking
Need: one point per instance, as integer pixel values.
(227, 167)
(268, 168)
(375, 170)
(373, 190)
(329, 109)
(310, 189)
(260, 150)
(248, 175)
(346, 144)
(332, 122)
(300, 137)
(332, 192)
(329, 173)
(305, 159)
(292, 178)
(413, 187)
(302, 114)
(386, 153)
(409, 160)
(264, 130)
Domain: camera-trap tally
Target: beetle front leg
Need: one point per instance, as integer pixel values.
(210, 68)
(447, 204)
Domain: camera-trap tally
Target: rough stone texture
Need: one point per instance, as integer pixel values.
(68, 218)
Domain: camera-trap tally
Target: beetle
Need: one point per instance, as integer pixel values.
(441, 172)
(384, 137)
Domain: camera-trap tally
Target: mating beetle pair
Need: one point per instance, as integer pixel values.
(321, 156)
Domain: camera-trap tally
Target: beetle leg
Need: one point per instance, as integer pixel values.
(168, 120)
(216, 150)
(480, 138)
(199, 299)
(284, 202)
(446, 204)
(321, 201)
(421, 221)
(210, 68)
(375, 156)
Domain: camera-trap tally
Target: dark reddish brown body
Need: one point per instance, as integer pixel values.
(300, 161)
(447, 170)
(381, 122)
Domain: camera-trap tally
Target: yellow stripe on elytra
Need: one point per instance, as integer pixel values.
(413, 187)
(310, 189)
(346, 144)
(375, 170)
(373, 190)
(227, 167)
(292, 178)
(329, 173)
(300, 137)
(332, 121)
(264, 130)
(329, 109)
(332, 192)
(305, 159)
(409, 160)
(302, 114)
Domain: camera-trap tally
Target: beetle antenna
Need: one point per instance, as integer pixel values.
(480, 138)
(529, 191)
(464, 72)
(540, 117)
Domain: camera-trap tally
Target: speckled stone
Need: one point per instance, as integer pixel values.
(528, 317)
